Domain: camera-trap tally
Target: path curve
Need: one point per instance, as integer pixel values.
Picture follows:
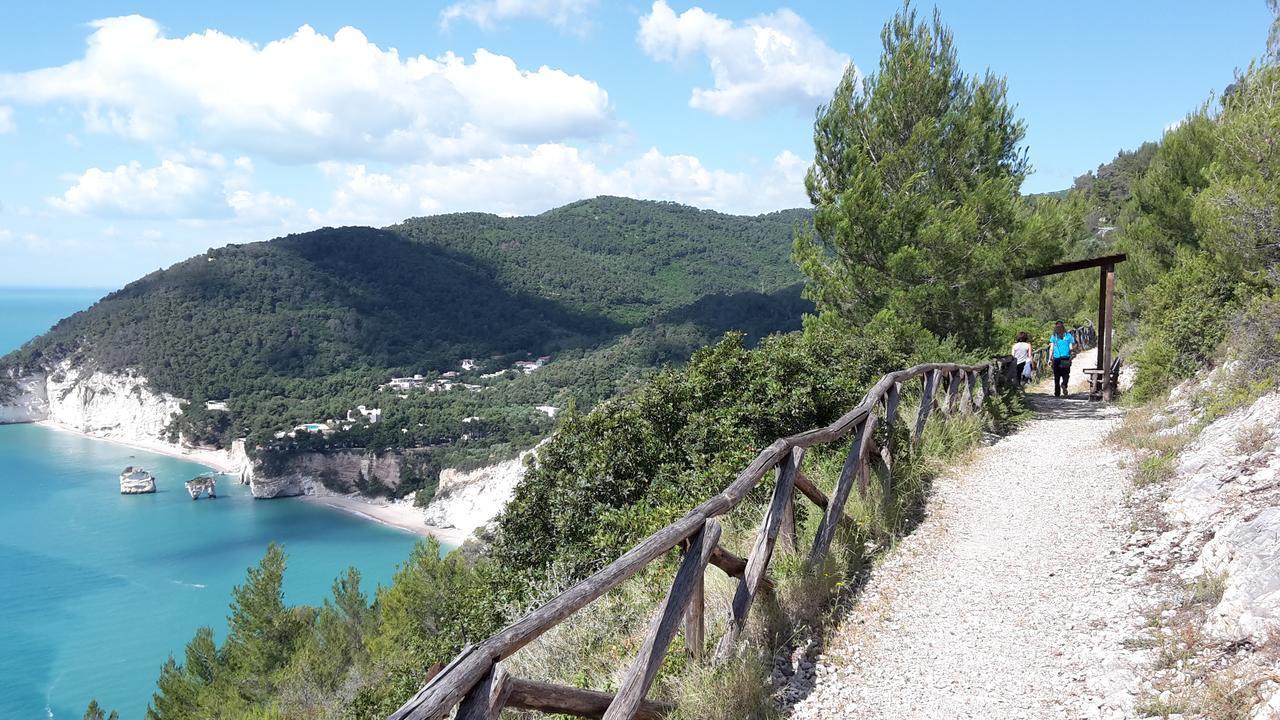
(1010, 599)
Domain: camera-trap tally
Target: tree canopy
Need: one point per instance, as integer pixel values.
(915, 184)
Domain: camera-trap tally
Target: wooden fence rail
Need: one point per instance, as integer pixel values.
(475, 681)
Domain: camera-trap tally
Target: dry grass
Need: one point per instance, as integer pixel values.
(1208, 589)
(1253, 439)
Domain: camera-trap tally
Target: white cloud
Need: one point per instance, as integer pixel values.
(756, 65)
(172, 189)
(309, 97)
(565, 14)
(6, 120)
(194, 186)
(549, 175)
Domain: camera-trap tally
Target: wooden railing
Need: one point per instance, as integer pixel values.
(477, 684)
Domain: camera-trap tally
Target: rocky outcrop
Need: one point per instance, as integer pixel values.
(24, 400)
(1213, 547)
(119, 405)
(205, 484)
(136, 481)
(315, 473)
(468, 500)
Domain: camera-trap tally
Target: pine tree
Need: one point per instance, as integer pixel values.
(95, 712)
(263, 632)
(915, 182)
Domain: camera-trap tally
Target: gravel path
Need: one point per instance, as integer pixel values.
(1009, 600)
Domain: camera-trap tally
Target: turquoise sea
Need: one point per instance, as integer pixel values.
(97, 588)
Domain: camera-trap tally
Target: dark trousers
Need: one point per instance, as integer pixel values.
(1021, 368)
(1061, 375)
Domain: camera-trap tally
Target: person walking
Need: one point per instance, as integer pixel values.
(1061, 345)
(1021, 353)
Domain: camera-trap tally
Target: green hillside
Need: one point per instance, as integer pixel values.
(308, 326)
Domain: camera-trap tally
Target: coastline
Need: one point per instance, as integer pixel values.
(216, 460)
(401, 515)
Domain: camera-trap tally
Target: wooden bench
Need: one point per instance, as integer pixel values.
(1095, 379)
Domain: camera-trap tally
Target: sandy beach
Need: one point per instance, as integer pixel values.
(402, 515)
(398, 514)
(219, 460)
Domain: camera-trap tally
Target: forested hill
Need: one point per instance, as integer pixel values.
(622, 259)
(274, 327)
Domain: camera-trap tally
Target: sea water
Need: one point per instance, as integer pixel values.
(97, 589)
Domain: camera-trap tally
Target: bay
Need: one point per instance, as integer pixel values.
(98, 588)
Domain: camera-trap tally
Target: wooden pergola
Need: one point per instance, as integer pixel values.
(1106, 304)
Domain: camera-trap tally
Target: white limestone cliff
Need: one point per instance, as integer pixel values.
(468, 500)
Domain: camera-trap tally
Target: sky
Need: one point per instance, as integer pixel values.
(136, 134)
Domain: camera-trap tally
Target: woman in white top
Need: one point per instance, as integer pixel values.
(1021, 353)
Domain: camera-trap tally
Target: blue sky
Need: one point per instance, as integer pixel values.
(133, 135)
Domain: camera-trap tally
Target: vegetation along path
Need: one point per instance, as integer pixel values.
(1009, 600)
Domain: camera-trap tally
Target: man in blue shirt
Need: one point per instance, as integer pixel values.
(1061, 345)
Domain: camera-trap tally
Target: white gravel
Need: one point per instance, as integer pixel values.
(1009, 601)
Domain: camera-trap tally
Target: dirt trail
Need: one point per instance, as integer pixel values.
(1009, 600)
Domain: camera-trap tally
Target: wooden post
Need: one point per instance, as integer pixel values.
(662, 629)
(1104, 355)
(761, 553)
(787, 528)
(926, 404)
(695, 626)
(844, 485)
(891, 401)
(488, 697)
(1102, 310)
(555, 699)
(868, 441)
(954, 382)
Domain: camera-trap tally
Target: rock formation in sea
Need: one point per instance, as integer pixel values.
(136, 481)
(204, 484)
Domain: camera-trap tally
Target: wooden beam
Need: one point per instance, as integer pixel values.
(835, 509)
(550, 698)
(811, 491)
(1105, 339)
(1076, 265)
(1102, 309)
(733, 565)
(665, 624)
(695, 624)
(761, 553)
(926, 404)
(488, 697)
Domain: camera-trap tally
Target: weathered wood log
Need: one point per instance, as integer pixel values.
(559, 699)
(695, 624)
(811, 491)
(926, 405)
(972, 402)
(835, 508)
(787, 530)
(954, 383)
(733, 565)
(761, 553)
(867, 438)
(488, 697)
(665, 624)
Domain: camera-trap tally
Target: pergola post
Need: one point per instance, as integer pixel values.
(1102, 311)
(1109, 292)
